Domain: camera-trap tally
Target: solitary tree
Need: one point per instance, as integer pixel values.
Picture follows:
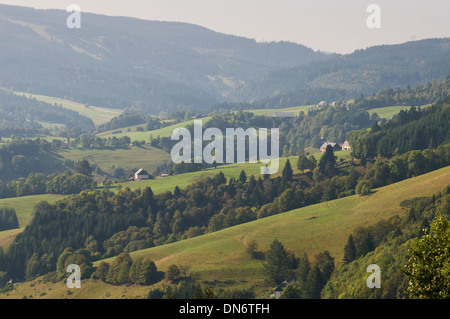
(173, 272)
(242, 177)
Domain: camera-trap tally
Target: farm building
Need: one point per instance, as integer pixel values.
(164, 173)
(279, 290)
(346, 146)
(141, 174)
(335, 147)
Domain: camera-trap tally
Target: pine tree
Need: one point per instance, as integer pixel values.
(314, 284)
(242, 177)
(327, 163)
(304, 266)
(349, 250)
(287, 173)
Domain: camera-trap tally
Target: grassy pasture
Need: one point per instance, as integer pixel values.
(143, 156)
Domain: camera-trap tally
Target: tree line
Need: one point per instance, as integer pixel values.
(428, 93)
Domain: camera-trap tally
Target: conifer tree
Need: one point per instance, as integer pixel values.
(287, 173)
(349, 250)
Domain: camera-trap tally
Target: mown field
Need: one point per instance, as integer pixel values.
(220, 258)
(133, 157)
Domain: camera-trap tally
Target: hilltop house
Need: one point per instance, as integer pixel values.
(346, 146)
(335, 147)
(321, 104)
(140, 175)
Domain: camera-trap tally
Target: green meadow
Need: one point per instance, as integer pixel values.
(99, 115)
(388, 112)
(133, 157)
(135, 135)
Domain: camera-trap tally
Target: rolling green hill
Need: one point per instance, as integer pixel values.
(220, 257)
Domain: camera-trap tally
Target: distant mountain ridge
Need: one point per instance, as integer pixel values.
(125, 62)
(362, 72)
(154, 66)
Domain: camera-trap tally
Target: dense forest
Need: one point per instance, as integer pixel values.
(415, 129)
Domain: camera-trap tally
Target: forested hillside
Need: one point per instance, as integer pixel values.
(171, 66)
(362, 72)
(415, 129)
(178, 66)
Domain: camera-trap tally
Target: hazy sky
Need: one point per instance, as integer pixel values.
(326, 25)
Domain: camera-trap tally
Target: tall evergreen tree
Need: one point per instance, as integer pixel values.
(304, 266)
(314, 284)
(327, 163)
(349, 250)
(287, 173)
(242, 177)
